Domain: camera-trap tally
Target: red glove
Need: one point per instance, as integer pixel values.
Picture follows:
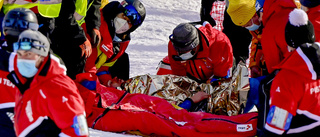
(95, 37)
(86, 49)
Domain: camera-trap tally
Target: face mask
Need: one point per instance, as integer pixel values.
(121, 25)
(27, 68)
(253, 27)
(186, 56)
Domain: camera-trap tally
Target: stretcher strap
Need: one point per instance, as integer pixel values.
(107, 110)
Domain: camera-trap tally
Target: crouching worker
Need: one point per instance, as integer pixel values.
(200, 52)
(48, 103)
(109, 60)
(294, 95)
(114, 110)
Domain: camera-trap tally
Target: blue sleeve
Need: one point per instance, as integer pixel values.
(186, 104)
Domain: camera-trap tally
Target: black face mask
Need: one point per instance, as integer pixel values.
(10, 40)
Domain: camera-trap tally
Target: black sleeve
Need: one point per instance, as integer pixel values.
(93, 16)
(4, 60)
(206, 6)
(67, 24)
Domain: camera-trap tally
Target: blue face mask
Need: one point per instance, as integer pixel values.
(253, 27)
(27, 68)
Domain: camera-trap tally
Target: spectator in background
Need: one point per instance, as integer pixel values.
(294, 95)
(109, 61)
(49, 103)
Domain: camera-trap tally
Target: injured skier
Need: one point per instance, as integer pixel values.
(114, 110)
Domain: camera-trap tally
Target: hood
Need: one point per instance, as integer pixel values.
(304, 61)
(272, 6)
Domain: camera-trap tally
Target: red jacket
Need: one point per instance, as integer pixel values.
(214, 58)
(275, 17)
(103, 55)
(314, 17)
(155, 116)
(7, 98)
(296, 89)
(50, 105)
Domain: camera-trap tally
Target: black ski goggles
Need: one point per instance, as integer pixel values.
(20, 24)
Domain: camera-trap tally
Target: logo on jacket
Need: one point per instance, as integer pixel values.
(244, 127)
(6, 82)
(80, 125)
(315, 90)
(64, 99)
(29, 111)
(278, 89)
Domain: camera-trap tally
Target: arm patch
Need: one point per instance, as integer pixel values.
(279, 118)
(80, 125)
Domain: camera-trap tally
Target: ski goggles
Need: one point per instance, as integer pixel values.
(182, 47)
(27, 45)
(20, 24)
(131, 12)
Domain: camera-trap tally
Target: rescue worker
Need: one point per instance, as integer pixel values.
(109, 61)
(294, 95)
(254, 9)
(15, 21)
(49, 103)
(200, 52)
(275, 15)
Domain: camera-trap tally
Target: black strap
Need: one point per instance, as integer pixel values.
(107, 110)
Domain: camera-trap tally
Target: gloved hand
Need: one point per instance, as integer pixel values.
(255, 71)
(86, 49)
(95, 37)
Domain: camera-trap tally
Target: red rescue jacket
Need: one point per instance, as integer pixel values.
(214, 58)
(296, 89)
(7, 98)
(49, 104)
(314, 17)
(275, 17)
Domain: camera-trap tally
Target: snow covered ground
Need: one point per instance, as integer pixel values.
(149, 42)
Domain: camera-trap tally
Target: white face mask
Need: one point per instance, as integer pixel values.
(253, 27)
(186, 56)
(27, 68)
(121, 25)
